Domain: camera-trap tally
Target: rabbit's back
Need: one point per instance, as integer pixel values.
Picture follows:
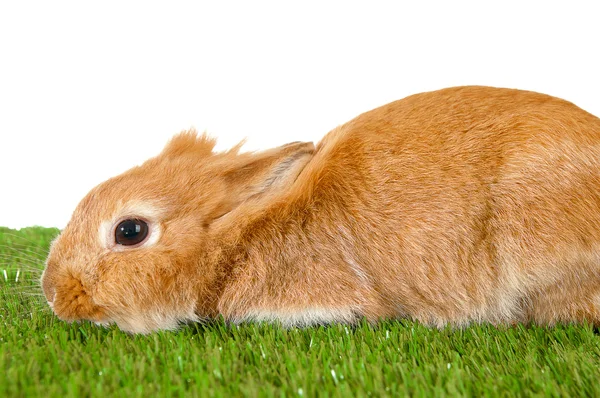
(469, 203)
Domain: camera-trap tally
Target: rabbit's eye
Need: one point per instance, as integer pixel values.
(131, 232)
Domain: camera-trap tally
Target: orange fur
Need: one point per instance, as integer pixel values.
(469, 204)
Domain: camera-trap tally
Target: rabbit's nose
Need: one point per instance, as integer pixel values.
(48, 288)
(50, 294)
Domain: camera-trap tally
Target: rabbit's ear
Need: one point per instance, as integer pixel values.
(262, 175)
(189, 143)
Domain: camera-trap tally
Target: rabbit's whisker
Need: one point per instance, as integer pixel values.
(26, 252)
(24, 260)
(29, 242)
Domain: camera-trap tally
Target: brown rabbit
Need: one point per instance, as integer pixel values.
(469, 204)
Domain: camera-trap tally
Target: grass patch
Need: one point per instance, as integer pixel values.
(42, 356)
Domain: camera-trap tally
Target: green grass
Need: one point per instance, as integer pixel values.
(42, 356)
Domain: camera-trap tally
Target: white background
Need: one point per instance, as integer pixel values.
(88, 90)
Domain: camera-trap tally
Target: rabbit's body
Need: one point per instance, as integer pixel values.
(460, 205)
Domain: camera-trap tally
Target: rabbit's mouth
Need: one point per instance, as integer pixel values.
(71, 302)
(51, 303)
(105, 323)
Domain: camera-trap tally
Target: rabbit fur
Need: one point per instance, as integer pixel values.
(467, 204)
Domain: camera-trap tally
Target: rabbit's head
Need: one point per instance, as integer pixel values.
(144, 249)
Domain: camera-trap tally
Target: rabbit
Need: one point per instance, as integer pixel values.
(465, 205)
